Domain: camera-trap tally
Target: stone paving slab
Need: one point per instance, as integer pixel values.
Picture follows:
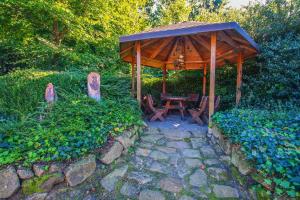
(173, 160)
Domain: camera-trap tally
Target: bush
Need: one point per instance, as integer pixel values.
(271, 139)
(71, 127)
(23, 90)
(275, 76)
(184, 82)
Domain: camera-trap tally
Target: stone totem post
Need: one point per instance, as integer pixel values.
(93, 84)
(50, 95)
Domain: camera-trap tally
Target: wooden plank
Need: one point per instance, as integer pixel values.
(164, 79)
(204, 80)
(197, 46)
(201, 41)
(173, 49)
(223, 55)
(248, 48)
(127, 51)
(161, 47)
(239, 77)
(189, 42)
(190, 62)
(154, 61)
(224, 37)
(146, 61)
(213, 45)
(138, 75)
(132, 77)
(240, 40)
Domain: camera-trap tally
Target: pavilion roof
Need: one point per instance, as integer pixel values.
(163, 45)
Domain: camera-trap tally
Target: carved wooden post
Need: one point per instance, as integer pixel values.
(239, 77)
(50, 95)
(213, 44)
(93, 84)
(138, 75)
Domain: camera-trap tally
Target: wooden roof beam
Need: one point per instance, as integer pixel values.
(240, 40)
(173, 48)
(224, 37)
(248, 48)
(126, 51)
(161, 47)
(223, 55)
(189, 41)
(201, 41)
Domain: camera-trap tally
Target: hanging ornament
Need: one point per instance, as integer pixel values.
(179, 63)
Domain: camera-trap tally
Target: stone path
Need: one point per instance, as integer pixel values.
(172, 160)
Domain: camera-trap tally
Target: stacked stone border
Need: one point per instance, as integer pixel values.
(237, 157)
(39, 179)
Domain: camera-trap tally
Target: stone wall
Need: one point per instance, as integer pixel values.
(38, 180)
(237, 158)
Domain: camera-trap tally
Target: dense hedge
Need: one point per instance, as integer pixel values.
(184, 82)
(74, 125)
(271, 139)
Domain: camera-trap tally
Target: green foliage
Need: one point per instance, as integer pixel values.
(275, 76)
(65, 34)
(186, 82)
(271, 139)
(71, 127)
(23, 90)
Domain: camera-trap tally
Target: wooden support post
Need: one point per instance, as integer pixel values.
(164, 79)
(138, 72)
(213, 44)
(239, 77)
(204, 80)
(132, 77)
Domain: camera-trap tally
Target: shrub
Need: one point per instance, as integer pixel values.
(271, 139)
(184, 82)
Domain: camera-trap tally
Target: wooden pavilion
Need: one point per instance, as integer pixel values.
(189, 46)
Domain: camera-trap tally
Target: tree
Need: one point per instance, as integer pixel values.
(208, 5)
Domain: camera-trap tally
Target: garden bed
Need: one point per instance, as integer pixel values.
(265, 144)
(39, 179)
(35, 133)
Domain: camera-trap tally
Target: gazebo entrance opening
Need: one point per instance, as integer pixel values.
(188, 46)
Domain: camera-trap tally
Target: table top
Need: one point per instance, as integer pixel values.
(175, 98)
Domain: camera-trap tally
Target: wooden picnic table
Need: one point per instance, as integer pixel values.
(179, 106)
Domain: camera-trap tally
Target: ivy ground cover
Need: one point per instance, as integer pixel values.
(269, 138)
(32, 131)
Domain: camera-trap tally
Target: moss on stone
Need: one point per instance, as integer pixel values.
(34, 185)
(118, 187)
(236, 174)
(183, 192)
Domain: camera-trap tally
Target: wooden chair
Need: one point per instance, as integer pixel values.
(197, 112)
(157, 113)
(145, 107)
(216, 107)
(193, 97)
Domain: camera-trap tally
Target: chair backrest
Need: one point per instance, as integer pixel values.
(217, 103)
(193, 97)
(203, 103)
(163, 95)
(150, 102)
